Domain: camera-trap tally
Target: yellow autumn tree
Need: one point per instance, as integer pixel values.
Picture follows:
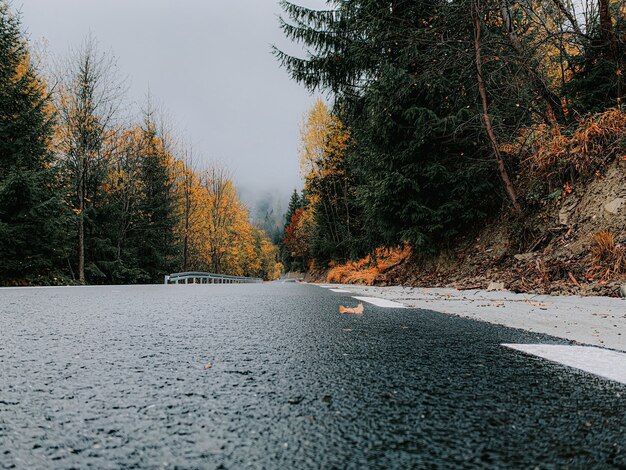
(215, 229)
(268, 254)
(224, 220)
(324, 144)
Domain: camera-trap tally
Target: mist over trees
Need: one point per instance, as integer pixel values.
(438, 113)
(268, 212)
(91, 192)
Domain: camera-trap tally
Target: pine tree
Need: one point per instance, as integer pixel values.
(295, 203)
(137, 218)
(421, 167)
(88, 96)
(154, 234)
(598, 81)
(32, 219)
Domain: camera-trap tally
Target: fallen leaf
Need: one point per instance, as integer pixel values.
(573, 279)
(208, 365)
(358, 310)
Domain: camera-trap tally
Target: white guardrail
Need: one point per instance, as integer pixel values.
(208, 278)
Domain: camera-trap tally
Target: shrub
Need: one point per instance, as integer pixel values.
(555, 156)
(609, 256)
(369, 269)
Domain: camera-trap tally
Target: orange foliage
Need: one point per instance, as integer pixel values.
(324, 140)
(609, 257)
(558, 154)
(367, 270)
(298, 233)
(215, 226)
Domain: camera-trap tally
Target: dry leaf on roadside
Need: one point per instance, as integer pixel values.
(358, 310)
(573, 279)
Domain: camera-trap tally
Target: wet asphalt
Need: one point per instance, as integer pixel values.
(115, 377)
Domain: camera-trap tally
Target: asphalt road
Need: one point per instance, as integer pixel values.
(115, 377)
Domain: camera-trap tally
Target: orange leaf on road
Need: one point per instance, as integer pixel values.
(358, 310)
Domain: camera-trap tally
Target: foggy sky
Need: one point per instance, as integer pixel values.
(208, 62)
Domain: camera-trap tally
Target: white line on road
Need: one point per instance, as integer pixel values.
(45, 287)
(602, 362)
(340, 290)
(380, 302)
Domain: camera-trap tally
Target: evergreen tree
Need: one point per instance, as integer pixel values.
(403, 76)
(598, 80)
(88, 96)
(32, 218)
(337, 234)
(136, 221)
(295, 203)
(154, 233)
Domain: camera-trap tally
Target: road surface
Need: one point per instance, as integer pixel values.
(118, 377)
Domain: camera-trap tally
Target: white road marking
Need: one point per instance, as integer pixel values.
(380, 302)
(45, 287)
(340, 290)
(602, 362)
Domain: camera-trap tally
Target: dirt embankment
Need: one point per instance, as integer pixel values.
(574, 246)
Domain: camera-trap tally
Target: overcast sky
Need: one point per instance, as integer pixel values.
(208, 62)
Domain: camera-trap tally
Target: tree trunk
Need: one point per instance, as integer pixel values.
(81, 224)
(504, 175)
(609, 37)
(606, 24)
(610, 40)
(186, 240)
(555, 108)
(188, 187)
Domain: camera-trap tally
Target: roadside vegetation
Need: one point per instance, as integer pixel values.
(462, 142)
(91, 192)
